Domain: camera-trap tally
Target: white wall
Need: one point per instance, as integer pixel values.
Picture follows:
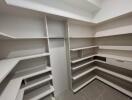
(113, 8)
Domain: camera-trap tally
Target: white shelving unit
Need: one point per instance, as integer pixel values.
(112, 47)
(25, 55)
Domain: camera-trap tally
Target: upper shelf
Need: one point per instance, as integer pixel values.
(116, 31)
(82, 48)
(6, 36)
(128, 48)
(8, 64)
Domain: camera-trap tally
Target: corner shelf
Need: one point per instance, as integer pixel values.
(126, 92)
(127, 48)
(82, 48)
(9, 64)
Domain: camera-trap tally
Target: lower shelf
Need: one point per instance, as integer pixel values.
(122, 90)
(38, 93)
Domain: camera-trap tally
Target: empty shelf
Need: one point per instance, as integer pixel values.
(37, 82)
(82, 48)
(8, 64)
(115, 57)
(6, 67)
(33, 56)
(82, 37)
(5, 36)
(11, 90)
(84, 84)
(39, 93)
(129, 93)
(115, 31)
(82, 65)
(126, 78)
(83, 73)
(128, 48)
(83, 58)
(33, 72)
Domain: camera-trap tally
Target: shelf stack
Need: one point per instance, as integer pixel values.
(26, 72)
(110, 60)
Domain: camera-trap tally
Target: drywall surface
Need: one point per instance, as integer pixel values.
(59, 64)
(113, 8)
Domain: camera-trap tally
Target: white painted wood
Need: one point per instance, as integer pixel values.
(20, 95)
(46, 9)
(83, 73)
(11, 90)
(84, 84)
(6, 67)
(44, 94)
(82, 65)
(115, 57)
(128, 48)
(33, 84)
(120, 63)
(39, 93)
(129, 93)
(34, 56)
(83, 48)
(22, 26)
(83, 58)
(126, 78)
(47, 69)
(115, 31)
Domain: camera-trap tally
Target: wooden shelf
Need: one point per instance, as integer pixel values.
(33, 72)
(44, 94)
(33, 56)
(115, 57)
(11, 90)
(82, 48)
(39, 93)
(82, 65)
(81, 59)
(114, 86)
(126, 78)
(56, 38)
(116, 31)
(83, 73)
(6, 67)
(81, 37)
(9, 64)
(33, 84)
(6, 36)
(84, 84)
(128, 48)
